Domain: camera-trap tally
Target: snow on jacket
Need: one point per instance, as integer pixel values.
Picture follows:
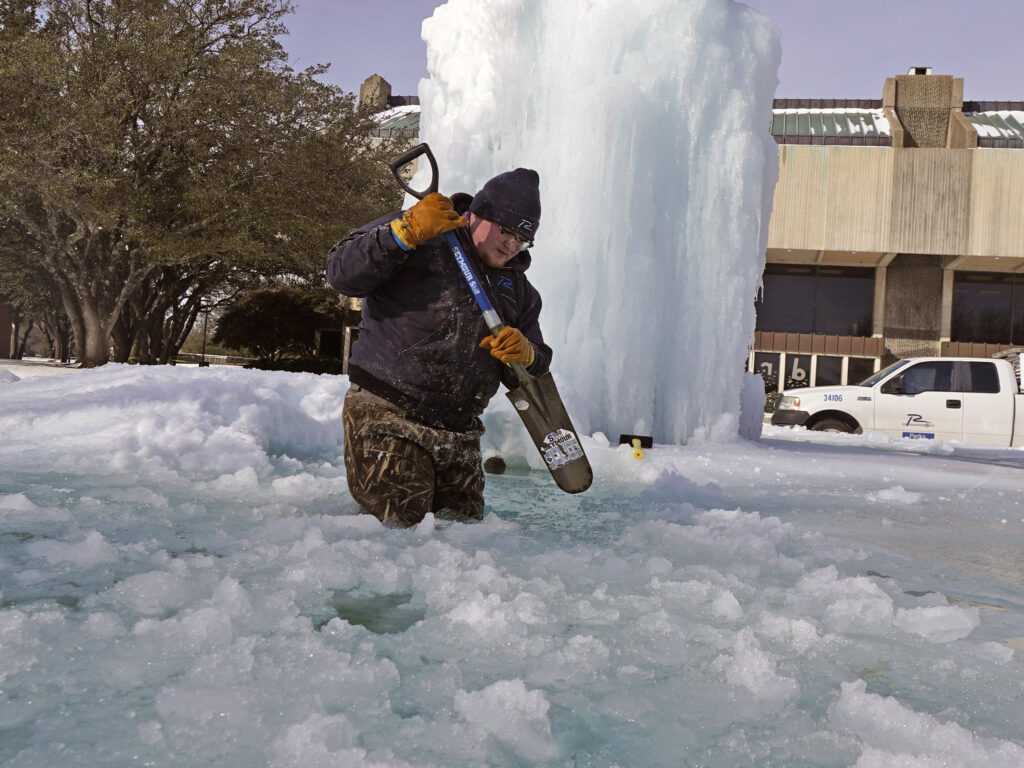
(421, 328)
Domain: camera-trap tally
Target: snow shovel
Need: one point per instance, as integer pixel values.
(536, 399)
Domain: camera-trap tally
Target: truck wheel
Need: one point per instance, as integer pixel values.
(831, 425)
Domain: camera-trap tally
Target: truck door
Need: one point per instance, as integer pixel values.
(988, 413)
(921, 402)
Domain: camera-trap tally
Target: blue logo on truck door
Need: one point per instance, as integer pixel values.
(917, 420)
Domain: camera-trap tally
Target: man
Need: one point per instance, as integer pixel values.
(424, 366)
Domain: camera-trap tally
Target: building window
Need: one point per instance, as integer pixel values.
(988, 307)
(815, 299)
(861, 368)
(829, 371)
(767, 364)
(792, 370)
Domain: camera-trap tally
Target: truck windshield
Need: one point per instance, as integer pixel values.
(877, 377)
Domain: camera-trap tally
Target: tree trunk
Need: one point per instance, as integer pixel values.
(149, 337)
(62, 334)
(74, 316)
(172, 342)
(57, 329)
(122, 337)
(19, 352)
(51, 344)
(94, 348)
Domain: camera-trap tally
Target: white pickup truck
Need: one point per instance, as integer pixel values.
(976, 400)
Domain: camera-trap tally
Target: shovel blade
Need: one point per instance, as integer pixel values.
(539, 405)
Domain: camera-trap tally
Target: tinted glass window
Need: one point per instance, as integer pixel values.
(830, 371)
(845, 301)
(933, 376)
(983, 377)
(982, 307)
(786, 303)
(811, 299)
(1018, 310)
(862, 369)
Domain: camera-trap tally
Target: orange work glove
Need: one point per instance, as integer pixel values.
(511, 346)
(430, 217)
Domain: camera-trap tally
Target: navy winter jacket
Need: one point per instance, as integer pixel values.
(421, 328)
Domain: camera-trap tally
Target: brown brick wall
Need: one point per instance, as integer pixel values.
(811, 343)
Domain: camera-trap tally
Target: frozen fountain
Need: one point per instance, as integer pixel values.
(649, 124)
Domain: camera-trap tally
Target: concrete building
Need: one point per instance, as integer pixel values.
(897, 229)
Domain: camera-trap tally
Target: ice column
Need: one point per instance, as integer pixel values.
(648, 121)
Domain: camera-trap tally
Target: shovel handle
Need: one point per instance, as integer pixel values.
(491, 317)
(408, 157)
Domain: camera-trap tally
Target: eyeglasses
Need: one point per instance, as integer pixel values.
(521, 243)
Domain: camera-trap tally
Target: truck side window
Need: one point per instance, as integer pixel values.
(931, 376)
(983, 378)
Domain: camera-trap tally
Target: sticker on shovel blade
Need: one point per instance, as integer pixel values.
(560, 448)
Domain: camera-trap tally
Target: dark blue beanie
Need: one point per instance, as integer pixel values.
(511, 200)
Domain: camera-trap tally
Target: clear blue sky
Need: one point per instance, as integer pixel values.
(831, 48)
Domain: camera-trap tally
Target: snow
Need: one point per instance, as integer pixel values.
(859, 120)
(648, 123)
(185, 582)
(16, 370)
(1008, 125)
(400, 111)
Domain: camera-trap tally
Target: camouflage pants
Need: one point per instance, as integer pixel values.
(398, 470)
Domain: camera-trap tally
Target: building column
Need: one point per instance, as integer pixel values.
(878, 313)
(946, 330)
(949, 267)
(913, 316)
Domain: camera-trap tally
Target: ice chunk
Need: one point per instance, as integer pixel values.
(896, 495)
(16, 502)
(894, 734)
(92, 550)
(726, 606)
(752, 406)
(513, 715)
(752, 668)
(800, 634)
(938, 623)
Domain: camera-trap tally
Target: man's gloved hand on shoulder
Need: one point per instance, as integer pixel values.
(511, 346)
(430, 217)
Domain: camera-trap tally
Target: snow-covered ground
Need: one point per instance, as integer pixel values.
(184, 582)
(32, 367)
